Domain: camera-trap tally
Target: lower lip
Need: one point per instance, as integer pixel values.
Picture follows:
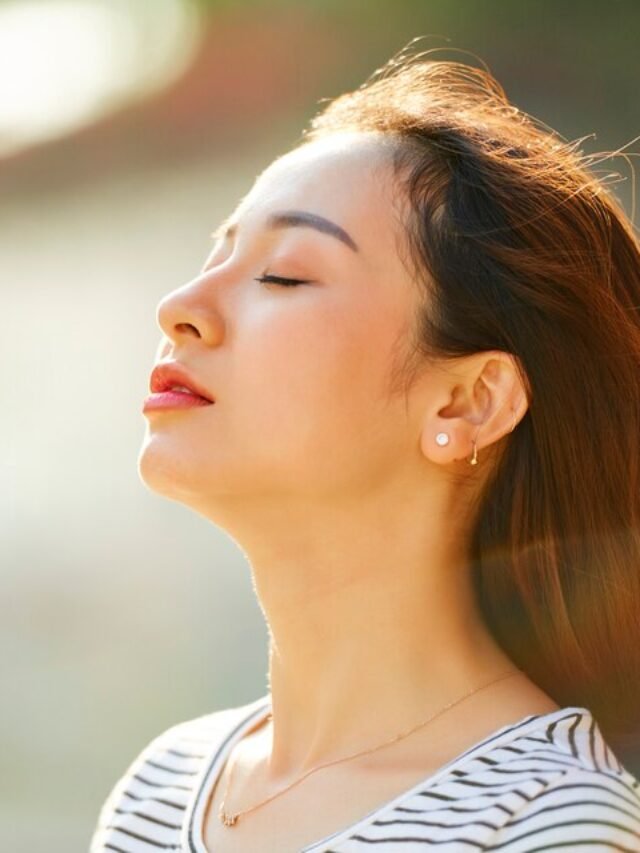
(173, 400)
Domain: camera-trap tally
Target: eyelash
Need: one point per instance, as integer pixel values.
(277, 279)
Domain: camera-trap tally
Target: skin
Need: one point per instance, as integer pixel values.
(354, 521)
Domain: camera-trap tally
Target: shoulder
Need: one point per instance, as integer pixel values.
(550, 783)
(580, 808)
(585, 796)
(149, 801)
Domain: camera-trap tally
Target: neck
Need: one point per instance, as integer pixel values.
(369, 634)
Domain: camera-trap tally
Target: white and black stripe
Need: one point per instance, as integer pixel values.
(547, 782)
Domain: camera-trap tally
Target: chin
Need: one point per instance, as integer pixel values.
(159, 471)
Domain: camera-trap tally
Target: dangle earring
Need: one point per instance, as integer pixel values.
(474, 458)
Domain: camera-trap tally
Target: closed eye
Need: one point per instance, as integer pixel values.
(277, 279)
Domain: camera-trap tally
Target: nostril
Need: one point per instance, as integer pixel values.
(184, 327)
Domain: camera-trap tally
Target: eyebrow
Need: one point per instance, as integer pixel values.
(293, 219)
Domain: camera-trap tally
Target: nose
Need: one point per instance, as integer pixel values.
(187, 313)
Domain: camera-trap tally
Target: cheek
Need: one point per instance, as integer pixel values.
(305, 366)
(313, 385)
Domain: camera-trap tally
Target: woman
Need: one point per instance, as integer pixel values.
(407, 384)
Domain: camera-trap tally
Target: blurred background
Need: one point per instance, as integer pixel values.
(128, 129)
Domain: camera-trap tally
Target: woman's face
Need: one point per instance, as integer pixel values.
(300, 374)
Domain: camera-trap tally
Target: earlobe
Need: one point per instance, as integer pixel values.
(442, 439)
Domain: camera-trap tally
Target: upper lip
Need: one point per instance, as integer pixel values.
(169, 373)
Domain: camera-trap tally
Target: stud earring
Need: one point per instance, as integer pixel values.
(442, 438)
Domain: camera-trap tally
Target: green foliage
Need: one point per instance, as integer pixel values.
(593, 34)
(574, 65)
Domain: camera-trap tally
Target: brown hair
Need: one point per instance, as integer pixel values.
(520, 247)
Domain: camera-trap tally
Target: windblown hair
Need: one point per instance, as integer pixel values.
(518, 246)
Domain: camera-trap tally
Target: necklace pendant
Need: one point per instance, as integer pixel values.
(227, 819)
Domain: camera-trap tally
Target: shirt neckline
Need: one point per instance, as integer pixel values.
(258, 712)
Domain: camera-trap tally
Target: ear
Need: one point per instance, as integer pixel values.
(477, 398)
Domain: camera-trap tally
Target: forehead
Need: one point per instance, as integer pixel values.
(357, 159)
(346, 178)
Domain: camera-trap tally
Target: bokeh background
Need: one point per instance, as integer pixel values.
(128, 129)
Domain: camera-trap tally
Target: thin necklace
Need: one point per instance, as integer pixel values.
(232, 819)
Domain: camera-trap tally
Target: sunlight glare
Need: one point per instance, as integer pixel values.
(65, 62)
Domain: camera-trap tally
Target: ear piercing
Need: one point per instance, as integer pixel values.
(442, 438)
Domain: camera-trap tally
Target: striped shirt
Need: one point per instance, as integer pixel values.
(547, 782)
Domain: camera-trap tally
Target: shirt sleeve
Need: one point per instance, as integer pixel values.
(580, 810)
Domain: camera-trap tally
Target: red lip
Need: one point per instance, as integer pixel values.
(167, 374)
